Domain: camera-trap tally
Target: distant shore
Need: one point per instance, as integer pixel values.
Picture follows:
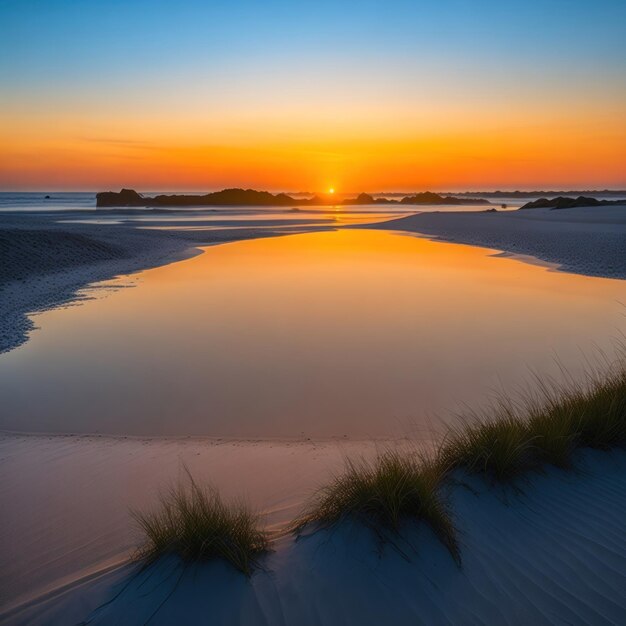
(252, 197)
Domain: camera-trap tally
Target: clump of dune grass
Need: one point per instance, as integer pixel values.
(195, 524)
(550, 430)
(591, 415)
(545, 428)
(497, 445)
(393, 488)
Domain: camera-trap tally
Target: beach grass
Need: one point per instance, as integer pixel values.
(383, 493)
(512, 438)
(195, 524)
(402, 484)
(544, 428)
(497, 445)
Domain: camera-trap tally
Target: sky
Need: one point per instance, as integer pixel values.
(304, 96)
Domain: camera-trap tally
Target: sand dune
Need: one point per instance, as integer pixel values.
(66, 499)
(554, 552)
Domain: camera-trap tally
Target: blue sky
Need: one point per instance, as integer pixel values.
(110, 42)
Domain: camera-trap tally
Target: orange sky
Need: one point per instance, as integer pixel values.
(212, 97)
(413, 150)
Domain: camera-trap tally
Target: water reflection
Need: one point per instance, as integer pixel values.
(354, 333)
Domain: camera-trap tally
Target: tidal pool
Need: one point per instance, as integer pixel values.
(356, 333)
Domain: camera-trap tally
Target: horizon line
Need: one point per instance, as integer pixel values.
(529, 189)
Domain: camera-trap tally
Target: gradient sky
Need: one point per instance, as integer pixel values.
(445, 95)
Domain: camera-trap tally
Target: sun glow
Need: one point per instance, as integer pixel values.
(331, 190)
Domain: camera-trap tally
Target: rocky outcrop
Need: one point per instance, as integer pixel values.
(227, 197)
(126, 197)
(428, 197)
(562, 202)
(362, 198)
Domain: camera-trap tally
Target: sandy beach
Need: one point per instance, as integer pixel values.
(552, 549)
(86, 527)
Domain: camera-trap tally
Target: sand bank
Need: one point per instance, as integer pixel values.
(589, 241)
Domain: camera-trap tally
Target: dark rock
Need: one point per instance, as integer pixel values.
(362, 198)
(428, 197)
(226, 197)
(126, 197)
(562, 202)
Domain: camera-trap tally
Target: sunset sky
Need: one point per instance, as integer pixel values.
(359, 96)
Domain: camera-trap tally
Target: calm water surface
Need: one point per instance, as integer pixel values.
(356, 333)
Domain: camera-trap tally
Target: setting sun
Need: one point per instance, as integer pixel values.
(331, 190)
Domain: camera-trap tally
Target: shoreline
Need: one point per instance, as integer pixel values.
(133, 249)
(206, 439)
(590, 241)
